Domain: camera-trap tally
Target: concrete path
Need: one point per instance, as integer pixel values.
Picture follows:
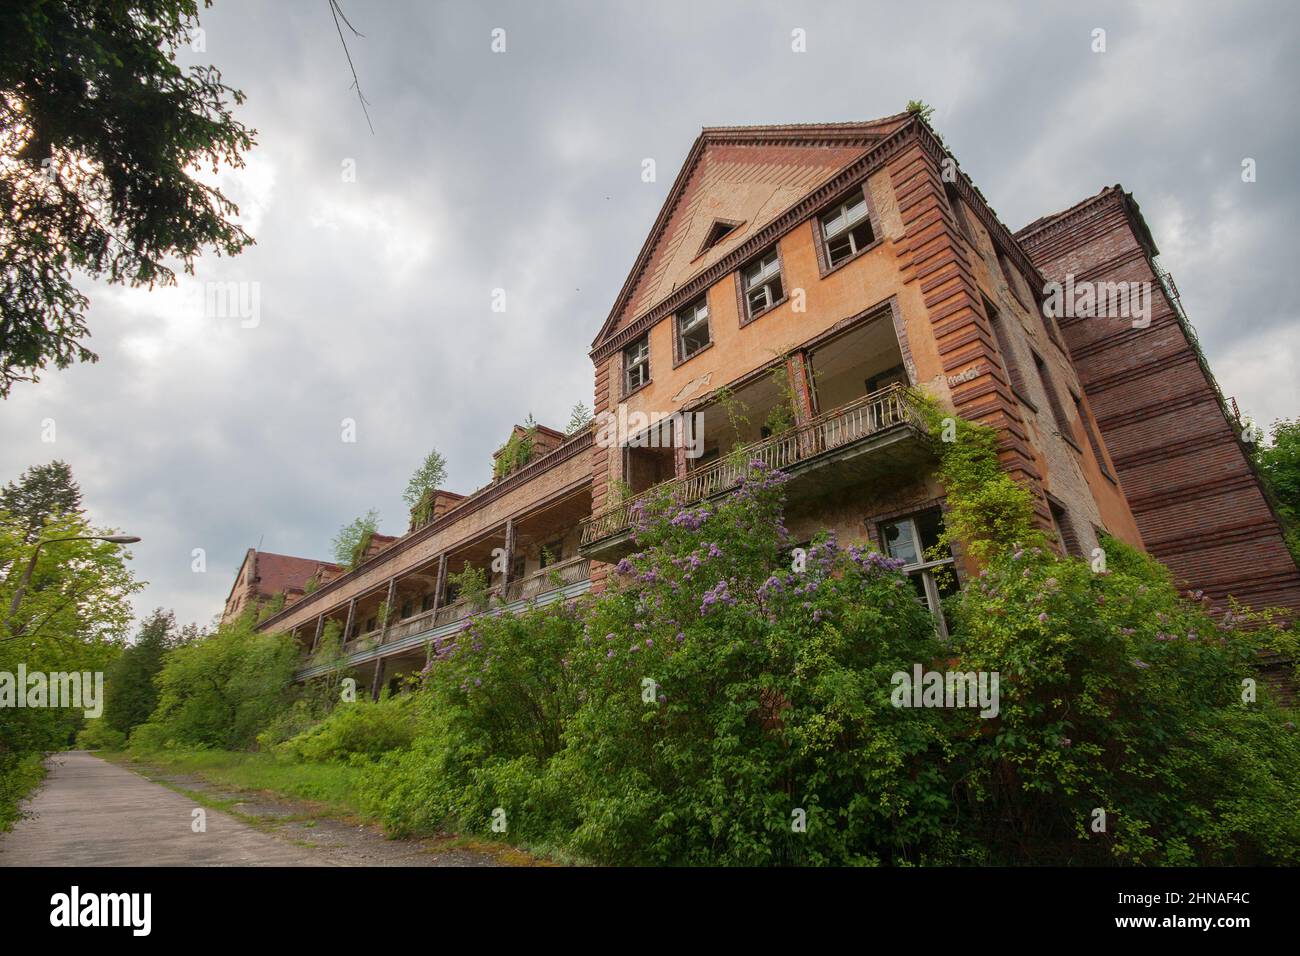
(89, 812)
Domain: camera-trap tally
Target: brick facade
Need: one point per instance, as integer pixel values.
(1178, 453)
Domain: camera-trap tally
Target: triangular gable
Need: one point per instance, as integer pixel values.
(743, 174)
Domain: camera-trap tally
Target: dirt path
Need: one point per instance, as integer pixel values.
(90, 812)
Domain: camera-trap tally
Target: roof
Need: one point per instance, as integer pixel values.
(280, 572)
(735, 174)
(1028, 233)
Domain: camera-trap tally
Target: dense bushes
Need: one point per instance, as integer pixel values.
(220, 691)
(98, 735)
(1119, 695)
(729, 701)
(722, 693)
(356, 728)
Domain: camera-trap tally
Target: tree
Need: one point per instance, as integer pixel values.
(42, 492)
(221, 691)
(427, 478)
(130, 694)
(354, 537)
(72, 618)
(1279, 466)
(100, 136)
(579, 419)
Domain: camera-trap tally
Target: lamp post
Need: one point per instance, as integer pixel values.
(31, 565)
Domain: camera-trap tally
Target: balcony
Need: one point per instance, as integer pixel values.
(565, 579)
(870, 438)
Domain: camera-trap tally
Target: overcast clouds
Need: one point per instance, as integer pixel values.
(522, 171)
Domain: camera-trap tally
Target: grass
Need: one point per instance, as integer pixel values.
(330, 788)
(16, 782)
(331, 785)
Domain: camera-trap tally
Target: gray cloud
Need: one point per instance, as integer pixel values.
(522, 171)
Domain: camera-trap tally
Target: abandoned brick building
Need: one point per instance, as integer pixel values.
(812, 275)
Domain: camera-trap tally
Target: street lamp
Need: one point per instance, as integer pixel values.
(31, 565)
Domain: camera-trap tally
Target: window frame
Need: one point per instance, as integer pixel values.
(679, 347)
(644, 361)
(925, 567)
(862, 191)
(1094, 439)
(1055, 409)
(747, 314)
(823, 240)
(1007, 352)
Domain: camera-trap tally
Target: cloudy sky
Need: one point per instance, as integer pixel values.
(521, 170)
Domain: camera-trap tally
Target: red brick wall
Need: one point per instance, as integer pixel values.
(1196, 498)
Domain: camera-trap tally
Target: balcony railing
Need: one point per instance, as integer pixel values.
(552, 578)
(836, 428)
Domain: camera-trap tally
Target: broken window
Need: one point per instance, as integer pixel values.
(846, 231)
(917, 541)
(1063, 525)
(762, 283)
(1053, 399)
(692, 329)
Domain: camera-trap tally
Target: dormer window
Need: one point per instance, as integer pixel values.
(693, 329)
(720, 229)
(846, 231)
(636, 365)
(761, 281)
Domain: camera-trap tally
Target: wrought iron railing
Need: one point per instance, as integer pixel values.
(836, 428)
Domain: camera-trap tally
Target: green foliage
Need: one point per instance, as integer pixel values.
(73, 617)
(1278, 464)
(987, 509)
(102, 135)
(469, 584)
(1118, 693)
(516, 452)
(364, 728)
(491, 713)
(687, 715)
(220, 691)
(98, 735)
(922, 109)
(42, 492)
(579, 419)
(426, 480)
(271, 607)
(130, 693)
(349, 545)
(19, 776)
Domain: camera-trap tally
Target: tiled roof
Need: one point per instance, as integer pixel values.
(280, 572)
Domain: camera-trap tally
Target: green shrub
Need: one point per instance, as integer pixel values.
(358, 728)
(493, 710)
(222, 690)
(98, 735)
(19, 775)
(718, 692)
(1120, 695)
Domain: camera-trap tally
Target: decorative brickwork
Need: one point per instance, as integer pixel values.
(1179, 458)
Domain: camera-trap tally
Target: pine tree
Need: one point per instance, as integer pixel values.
(131, 695)
(42, 492)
